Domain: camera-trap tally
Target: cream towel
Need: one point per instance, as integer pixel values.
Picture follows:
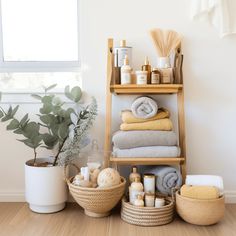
(163, 124)
(128, 117)
(200, 192)
(206, 180)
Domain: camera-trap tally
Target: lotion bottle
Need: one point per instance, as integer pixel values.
(147, 67)
(126, 72)
(134, 174)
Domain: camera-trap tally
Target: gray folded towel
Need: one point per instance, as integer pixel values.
(167, 177)
(153, 151)
(144, 107)
(140, 138)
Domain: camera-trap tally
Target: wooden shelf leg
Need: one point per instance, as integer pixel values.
(107, 145)
(181, 122)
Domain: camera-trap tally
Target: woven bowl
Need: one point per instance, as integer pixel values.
(97, 202)
(147, 216)
(200, 212)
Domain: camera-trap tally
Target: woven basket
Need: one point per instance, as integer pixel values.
(198, 211)
(147, 216)
(97, 202)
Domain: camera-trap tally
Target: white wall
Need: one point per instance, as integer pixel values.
(209, 83)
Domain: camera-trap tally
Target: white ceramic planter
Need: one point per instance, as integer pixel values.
(45, 188)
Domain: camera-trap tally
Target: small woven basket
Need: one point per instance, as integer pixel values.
(97, 202)
(148, 216)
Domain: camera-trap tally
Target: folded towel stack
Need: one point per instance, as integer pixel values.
(146, 131)
(204, 187)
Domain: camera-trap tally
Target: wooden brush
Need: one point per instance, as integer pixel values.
(165, 41)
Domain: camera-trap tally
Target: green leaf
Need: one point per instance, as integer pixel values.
(6, 118)
(28, 143)
(9, 111)
(31, 130)
(67, 93)
(63, 131)
(56, 101)
(14, 124)
(36, 96)
(24, 119)
(1, 114)
(76, 93)
(49, 140)
(50, 87)
(18, 131)
(56, 110)
(14, 111)
(46, 119)
(46, 109)
(47, 99)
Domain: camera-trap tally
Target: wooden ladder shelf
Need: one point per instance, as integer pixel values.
(142, 89)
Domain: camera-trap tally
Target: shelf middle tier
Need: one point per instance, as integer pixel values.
(147, 160)
(147, 88)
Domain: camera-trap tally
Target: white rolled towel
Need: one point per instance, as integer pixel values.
(144, 107)
(206, 180)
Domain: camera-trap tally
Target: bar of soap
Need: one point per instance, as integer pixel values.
(108, 177)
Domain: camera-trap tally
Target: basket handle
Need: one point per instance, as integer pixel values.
(65, 169)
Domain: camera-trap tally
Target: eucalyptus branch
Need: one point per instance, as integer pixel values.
(59, 151)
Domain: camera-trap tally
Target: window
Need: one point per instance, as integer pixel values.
(39, 35)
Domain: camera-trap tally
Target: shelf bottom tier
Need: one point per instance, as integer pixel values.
(147, 160)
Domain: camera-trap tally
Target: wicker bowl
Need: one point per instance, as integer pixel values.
(200, 212)
(97, 202)
(148, 216)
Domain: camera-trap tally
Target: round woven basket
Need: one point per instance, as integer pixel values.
(147, 216)
(97, 202)
(198, 211)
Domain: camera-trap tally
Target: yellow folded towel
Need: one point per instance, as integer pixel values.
(163, 124)
(200, 192)
(128, 117)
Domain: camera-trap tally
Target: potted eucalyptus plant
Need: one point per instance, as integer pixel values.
(62, 127)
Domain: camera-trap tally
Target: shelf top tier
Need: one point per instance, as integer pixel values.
(147, 161)
(147, 88)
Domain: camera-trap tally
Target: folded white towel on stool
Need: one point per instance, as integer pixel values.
(206, 180)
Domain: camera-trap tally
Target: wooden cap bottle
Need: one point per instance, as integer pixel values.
(134, 174)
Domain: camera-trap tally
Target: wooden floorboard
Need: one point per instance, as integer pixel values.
(17, 220)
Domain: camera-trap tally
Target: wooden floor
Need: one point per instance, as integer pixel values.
(17, 219)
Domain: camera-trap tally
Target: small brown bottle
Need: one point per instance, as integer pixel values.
(134, 174)
(147, 67)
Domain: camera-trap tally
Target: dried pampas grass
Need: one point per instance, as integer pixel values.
(165, 41)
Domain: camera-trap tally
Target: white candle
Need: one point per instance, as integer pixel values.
(149, 200)
(149, 183)
(159, 202)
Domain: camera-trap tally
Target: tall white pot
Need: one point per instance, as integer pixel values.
(45, 188)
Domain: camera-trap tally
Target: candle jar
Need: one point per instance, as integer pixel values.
(149, 200)
(141, 77)
(149, 183)
(159, 202)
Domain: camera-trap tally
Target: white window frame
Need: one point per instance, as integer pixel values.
(38, 66)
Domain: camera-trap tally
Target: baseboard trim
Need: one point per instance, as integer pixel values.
(19, 197)
(6, 196)
(230, 197)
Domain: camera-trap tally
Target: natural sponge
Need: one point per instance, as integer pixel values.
(108, 177)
